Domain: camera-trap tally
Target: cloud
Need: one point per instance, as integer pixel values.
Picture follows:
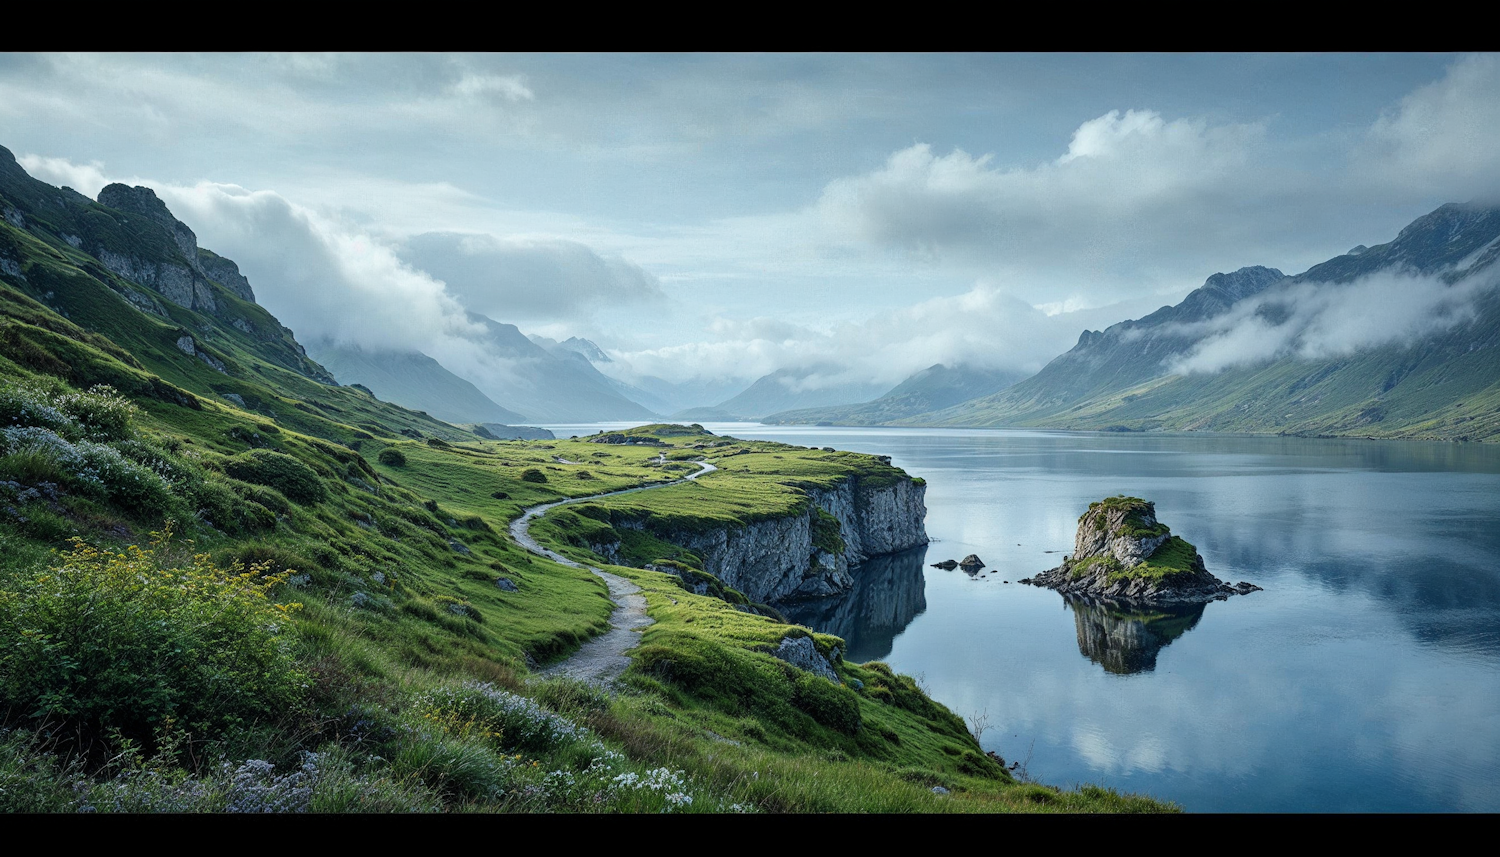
(1315, 321)
(88, 179)
(530, 279)
(1131, 188)
(510, 87)
(1441, 137)
(982, 327)
(323, 278)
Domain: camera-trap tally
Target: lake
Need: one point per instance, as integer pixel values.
(1366, 677)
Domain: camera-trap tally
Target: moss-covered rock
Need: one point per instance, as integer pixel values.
(1121, 551)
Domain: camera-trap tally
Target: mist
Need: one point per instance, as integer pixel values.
(1315, 321)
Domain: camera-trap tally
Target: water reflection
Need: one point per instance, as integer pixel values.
(889, 592)
(1125, 639)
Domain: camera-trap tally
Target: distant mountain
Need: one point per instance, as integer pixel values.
(784, 390)
(575, 347)
(1446, 385)
(495, 431)
(594, 353)
(412, 380)
(548, 386)
(931, 389)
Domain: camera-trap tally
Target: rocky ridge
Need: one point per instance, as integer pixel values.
(784, 559)
(1122, 552)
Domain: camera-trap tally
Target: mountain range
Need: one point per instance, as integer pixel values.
(1394, 340)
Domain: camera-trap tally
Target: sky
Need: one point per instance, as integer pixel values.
(716, 216)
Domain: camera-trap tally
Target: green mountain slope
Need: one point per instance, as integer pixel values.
(227, 584)
(1445, 385)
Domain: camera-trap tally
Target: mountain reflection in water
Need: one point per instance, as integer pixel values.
(888, 593)
(1125, 639)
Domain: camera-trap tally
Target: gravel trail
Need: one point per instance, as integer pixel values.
(603, 658)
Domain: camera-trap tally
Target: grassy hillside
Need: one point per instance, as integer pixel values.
(227, 585)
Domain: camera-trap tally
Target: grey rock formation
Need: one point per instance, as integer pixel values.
(1114, 539)
(188, 346)
(971, 563)
(183, 284)
(775, 561)
(144, 202)
(802, 653)
(226, 273)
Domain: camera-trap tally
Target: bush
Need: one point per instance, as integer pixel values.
(28, 405)
(831, 705)
(392, 457)
(531, 474)
(133, 487)
(286, 474)
(512, 722)
(110, 641)
(218, 504)
(103, 413)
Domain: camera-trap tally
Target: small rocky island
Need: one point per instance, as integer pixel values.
(1122, 553)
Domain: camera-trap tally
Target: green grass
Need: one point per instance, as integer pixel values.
(1175, 556)
(392, 544)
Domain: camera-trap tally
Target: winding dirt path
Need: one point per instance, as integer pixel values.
(603, 658)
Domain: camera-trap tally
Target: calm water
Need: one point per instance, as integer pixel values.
(1366, 677)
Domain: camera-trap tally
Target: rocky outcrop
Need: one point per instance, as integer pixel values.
(802, 653)
(143, 201)
(1121, 552)
(187, 345)
(183, 284)
(815, 552)
(227, 274)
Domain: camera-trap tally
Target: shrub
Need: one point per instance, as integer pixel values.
(392, 457)
(531, 474)
(140, 490)
(831, 705)
(482, 710)
(286, 474)
(28, 405)
(33, 454)
(161, 458)
(108, 641)
(218, 504)
(268, 497)
(103, 413)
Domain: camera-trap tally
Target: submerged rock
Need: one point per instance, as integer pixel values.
(946, 565)
(971, 563)
(1122, 552)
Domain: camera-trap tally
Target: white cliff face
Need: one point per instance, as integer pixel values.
(776, 560)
